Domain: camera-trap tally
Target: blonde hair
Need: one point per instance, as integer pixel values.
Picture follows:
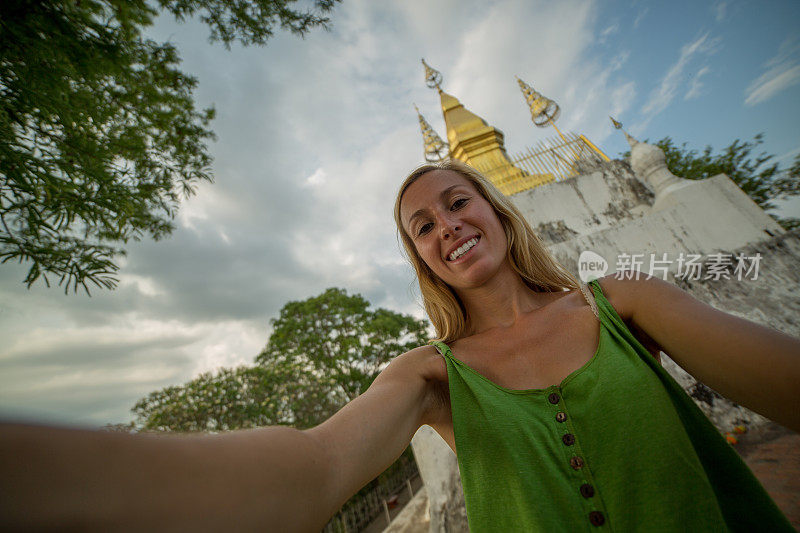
(526, 254)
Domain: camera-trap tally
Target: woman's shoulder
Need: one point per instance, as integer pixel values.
(424, 359)
(624, 291)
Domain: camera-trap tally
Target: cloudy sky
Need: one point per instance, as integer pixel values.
(314, 137)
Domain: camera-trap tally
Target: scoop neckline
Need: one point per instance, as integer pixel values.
(561, 385)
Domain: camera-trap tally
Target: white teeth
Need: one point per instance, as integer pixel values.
(463, 249)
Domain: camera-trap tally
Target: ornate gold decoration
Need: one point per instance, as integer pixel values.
(617, 124)
(472, 140)
(435, 148)
(543, 110)
(433, 78)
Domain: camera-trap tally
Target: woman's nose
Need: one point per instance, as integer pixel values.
(449, 228)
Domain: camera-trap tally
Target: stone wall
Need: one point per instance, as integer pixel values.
(585, 204)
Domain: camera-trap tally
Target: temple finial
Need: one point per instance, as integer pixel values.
(433, 78)
(435, 148)
(544, 111)
(649, 164)
(618, 125)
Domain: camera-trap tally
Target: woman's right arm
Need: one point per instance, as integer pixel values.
(275, 478)
(368, 434)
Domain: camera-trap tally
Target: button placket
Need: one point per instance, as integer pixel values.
(586, 486)
(597, 518)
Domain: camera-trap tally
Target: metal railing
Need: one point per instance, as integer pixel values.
(358, 513)
(550, 160)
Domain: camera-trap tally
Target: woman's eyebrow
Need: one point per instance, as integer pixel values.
(442, 196)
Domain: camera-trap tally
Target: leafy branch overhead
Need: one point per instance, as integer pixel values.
(99, 135)
(759, 176)
(250, 22)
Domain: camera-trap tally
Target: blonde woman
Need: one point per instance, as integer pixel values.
(546, 389)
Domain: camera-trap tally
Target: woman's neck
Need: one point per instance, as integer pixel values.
(500, 302)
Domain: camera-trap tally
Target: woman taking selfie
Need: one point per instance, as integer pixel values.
(550, 392)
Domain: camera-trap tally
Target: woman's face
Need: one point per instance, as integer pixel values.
(454, 229)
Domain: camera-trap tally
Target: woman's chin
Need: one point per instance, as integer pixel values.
(471, 278)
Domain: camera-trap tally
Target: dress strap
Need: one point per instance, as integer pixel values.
(442, 348)
(587, 293)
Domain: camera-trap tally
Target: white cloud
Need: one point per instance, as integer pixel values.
(208, 202)
(640, 17)
(349, 236)
(787, 157)
(608, 32)
(317, 178)
(145, 285)
(571, 73)
(720, 11)
(782, 72)
(619, 60)
(663, 95)
(94, 374)
(621, 98)
(696, 85)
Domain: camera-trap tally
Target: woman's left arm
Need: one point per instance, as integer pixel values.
(753, 365)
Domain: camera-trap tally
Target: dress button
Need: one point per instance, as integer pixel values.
(597, 518)
(576, 463)
(587, 491)
(569, 439)
(553, 398)
(561, 416)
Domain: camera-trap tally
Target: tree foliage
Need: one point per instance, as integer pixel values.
(236, 398)
(322, 353)
(336, 335)
(99, 135)
(250, 21)
(759, 176)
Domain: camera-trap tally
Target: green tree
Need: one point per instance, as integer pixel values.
(322, 353)
(99, 135)
(336, 335)
(759, 176)
(236, 398)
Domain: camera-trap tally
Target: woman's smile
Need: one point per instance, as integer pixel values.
(462, 251)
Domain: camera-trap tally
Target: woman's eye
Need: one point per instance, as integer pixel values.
(458, 204)
(425, 228)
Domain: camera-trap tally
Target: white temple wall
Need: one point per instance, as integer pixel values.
(585, 204)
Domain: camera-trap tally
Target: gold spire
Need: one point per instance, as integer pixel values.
(435, 148)
(544, 111)
(472, 140)
(433, 78)
(480, 145)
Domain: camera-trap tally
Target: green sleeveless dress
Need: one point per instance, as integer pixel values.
(616, 446)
